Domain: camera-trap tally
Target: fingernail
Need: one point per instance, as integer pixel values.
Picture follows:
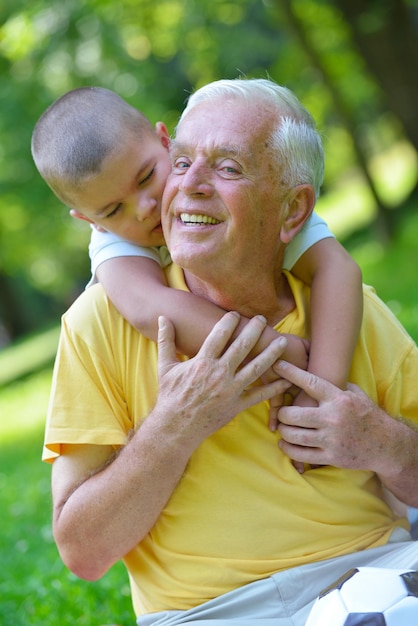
(278, 364)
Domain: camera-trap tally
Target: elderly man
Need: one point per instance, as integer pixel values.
(187, 485)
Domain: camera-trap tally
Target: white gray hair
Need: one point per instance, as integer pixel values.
(295, 140)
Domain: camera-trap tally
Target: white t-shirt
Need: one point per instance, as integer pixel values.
(105, 246)
(314, 229)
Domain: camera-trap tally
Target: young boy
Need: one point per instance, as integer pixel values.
(103, 158)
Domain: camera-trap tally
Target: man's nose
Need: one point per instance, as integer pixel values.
(197, 180)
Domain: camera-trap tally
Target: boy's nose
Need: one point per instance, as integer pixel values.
(145, 208)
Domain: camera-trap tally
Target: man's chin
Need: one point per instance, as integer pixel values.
(190, 256)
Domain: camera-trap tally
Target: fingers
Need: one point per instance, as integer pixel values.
(302, 455)
(218, 344)
(275, 404)
(254, 369)
(299, 466)
(220, 335)
(315, 387)
(166, 346)
(225, 353)
(257, 394)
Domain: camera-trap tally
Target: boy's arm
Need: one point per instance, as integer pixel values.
(137, 288)
(336, 308)
(336, 313)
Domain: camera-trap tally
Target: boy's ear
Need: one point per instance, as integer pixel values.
(79, 216)
(301, 201)
(162, 133)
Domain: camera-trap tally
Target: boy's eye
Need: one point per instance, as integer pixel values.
(115, 211)
(147, 177)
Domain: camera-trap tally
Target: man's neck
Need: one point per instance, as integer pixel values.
(273, 299)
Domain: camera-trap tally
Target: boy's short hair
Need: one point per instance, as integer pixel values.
(74, 135)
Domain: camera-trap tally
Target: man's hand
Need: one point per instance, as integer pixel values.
(344, 430)
(201, 395)
(347, 429)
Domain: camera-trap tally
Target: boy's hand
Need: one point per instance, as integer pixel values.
(297, 351)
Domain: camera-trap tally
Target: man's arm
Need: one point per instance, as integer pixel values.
(105, 505)
(349, 430)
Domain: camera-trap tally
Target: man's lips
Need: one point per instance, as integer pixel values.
(195, 219)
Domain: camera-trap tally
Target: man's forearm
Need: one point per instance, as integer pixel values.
(112, 511)
(103, 509)
(399, 471)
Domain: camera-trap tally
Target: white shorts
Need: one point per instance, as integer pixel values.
(286, 598)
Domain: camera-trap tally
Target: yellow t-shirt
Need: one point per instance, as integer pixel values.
(241, 511)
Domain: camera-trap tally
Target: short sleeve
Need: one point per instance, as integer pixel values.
(314, 229)
(104, 246)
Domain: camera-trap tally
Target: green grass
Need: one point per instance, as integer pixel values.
(35, 587)
(28, 355)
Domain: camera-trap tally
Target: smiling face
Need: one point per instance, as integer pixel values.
(125, 197)
(222, 203)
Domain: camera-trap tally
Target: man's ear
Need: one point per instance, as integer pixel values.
(162, 133)
(301, 201)
(79, 216)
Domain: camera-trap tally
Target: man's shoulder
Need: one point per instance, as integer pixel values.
(93, 328)
(91, 312)
(378, 316)
(389, 349)
(94, 296)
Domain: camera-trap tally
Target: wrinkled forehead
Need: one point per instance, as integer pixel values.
(231, 123)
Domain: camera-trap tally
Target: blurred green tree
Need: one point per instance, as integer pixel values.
(153, 54)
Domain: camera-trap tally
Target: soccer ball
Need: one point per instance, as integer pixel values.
(368, 596)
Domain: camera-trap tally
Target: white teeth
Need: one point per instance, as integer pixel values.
(186, 218)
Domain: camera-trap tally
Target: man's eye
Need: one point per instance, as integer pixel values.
(181, 164)
(229, 167)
